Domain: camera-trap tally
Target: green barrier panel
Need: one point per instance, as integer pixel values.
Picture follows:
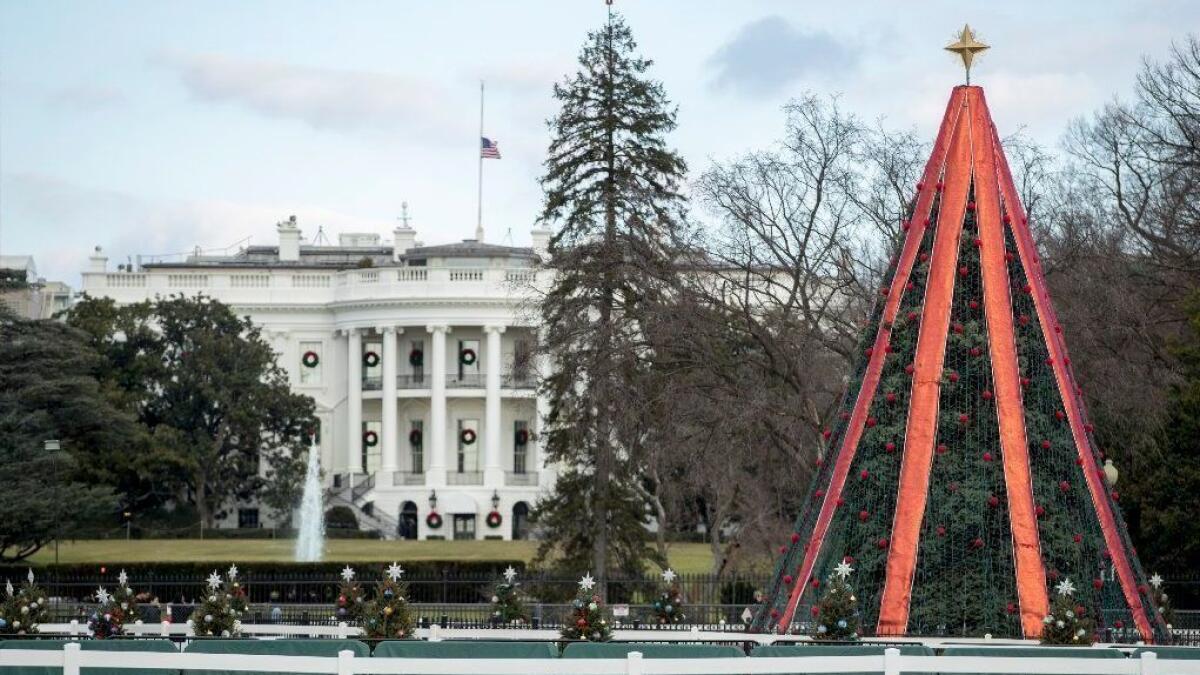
(840, 650)
(649, 650)
(466, 649)
(1173, 653)
(298, 647)
(1041, 652)
(161, 646)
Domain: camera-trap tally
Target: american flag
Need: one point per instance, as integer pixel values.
(489, 149)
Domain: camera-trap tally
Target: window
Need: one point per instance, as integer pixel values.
(468, 360)
(468, 446)
(520, 521)
(310, 363)
(416, 444)
(520, 445)
(408, 521)
(522, 359)
(248, 518)
(416, 361)
(464, 526)
(372, 365)
(371, 454)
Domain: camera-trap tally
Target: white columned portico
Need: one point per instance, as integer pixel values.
(493, 471)
(435, 475)
(391, 450)
(354, 402)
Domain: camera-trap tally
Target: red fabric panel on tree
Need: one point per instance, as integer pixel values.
(1071, 402)
(866, 394)
(921, 433)
(1010, 411)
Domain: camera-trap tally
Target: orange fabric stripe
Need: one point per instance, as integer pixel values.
(870, 383)
(1071, 405)
(1010, 410)
(926, 390)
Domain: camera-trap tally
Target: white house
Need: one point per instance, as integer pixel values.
(420, 360)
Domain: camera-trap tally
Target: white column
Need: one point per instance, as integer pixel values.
(546, 473)
(390, 463)
(435, 474)
(493, 471)
(354, 402)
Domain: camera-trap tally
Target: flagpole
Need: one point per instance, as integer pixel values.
(479, 154)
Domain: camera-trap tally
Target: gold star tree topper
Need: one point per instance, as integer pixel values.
(967, 46)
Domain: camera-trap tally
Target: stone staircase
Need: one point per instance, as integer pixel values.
(357, 491)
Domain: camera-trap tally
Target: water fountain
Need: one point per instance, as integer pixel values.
(310, 544)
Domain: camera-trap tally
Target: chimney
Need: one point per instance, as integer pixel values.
(98, 262)
(404, 236)
(289, 240)
(541, 241)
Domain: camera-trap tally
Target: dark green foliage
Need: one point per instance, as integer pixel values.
(389, 615)
(341, 518)
(49, 390)
(23, 608)
(216, 406)
(588, 619)
(611, 190)
(1162, 604)
(351, 602)
(668, 606)
(837, 616)
(13, 279)
(1068, 623)
(507, 604)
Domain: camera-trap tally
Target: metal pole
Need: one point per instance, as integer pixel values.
(479, 158)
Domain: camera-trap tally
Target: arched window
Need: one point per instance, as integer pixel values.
(520, 521)
(408, 521)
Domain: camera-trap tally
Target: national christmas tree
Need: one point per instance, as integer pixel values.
(220, 611)
(1068, 622)
(23, 609)
(964, 479)
(389, 615)
(588, 619)
(113, 610)
(668, 606)
(507, 605)
(836, 613)
(351, 599)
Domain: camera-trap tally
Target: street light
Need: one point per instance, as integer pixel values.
(53, 445)
(433, 500)
(495, 500)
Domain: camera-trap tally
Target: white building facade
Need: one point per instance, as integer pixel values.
(421, 361)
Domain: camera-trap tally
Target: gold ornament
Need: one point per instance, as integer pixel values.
(967, 47)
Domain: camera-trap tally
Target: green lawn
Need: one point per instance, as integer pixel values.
(685, 558)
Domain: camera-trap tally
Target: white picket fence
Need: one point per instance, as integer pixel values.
(71, 659)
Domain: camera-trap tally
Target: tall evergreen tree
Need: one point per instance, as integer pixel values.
(612, 194)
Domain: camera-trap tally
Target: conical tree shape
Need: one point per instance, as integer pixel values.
(964, 476)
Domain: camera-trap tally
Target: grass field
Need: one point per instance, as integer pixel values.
(685, 558)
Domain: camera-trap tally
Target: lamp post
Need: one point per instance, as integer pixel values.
(50, 446)
(433, 500)
(495, 500)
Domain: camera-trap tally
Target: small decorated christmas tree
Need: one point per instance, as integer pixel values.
(1162, 604)
(507, 606)
(216, 615)
(388, 615)
(837, 611)
(113, 610)
(668, 607)
(236, 592)
(587, 620)
(351, 600)
(24, 609)
(1067, 623)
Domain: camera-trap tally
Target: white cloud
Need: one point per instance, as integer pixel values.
(769, 53)
(323, 98)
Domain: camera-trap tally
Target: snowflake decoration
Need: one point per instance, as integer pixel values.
(1065, 587)
(348, 574)
(232, 573)
(8, 587)
(29, 576)
(214, 580)
(395, 571)
(1156, 580)
(510, 574)
(843, 570)
(669, 575)
(102, 596)
(587, 583)
(123, 578)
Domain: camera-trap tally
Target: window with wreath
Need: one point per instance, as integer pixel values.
(310, 363)
(416, 445)
(520, 445)
(468, 360)
(372, 364)
(372, 446)
(468, 446)
(416, 361)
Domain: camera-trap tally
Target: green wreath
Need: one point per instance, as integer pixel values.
(370, 359)
(370, 439)
(310, 359)
(416, 358)
(414, 437)
(433, 521)
(494, 519)
(467, 436)
(467, 357)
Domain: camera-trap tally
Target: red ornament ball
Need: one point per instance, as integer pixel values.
(827, 434)
(987, 395)
(976, 352)
(1097, 584)
(839, 501)
(774, 613)
(864, 475)
(814, 583)
(1025, 382)
(890, 446)
(1023, 320)
(987, 456)
(1045, 444)
(1011, 608)
(993, 501)
(963, 418)
(941, 530)
(978, 543)
(882, 543)
(978, 242)
(912, 316)
(582, 623)
(1089, 428)
(787, 579)
(941, 448)
(869, 351)
(920, 186)
(814, 610)
(1039, 511)
(963, 271)
(970, 207)
(1077, 537)
(1064, 486)
(924, 257)
(795, 537)
(890, 397)
(783, 549)
(863, 515)
(953, 376)
(958, 328)
(844, 415)
(940, 185)
(818, 494)
(871, 422)
(909, 369)
(908, 286)
(974, 304)
(1119, 623)
(1060, 415)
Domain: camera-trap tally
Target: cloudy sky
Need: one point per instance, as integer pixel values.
(154, 127)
